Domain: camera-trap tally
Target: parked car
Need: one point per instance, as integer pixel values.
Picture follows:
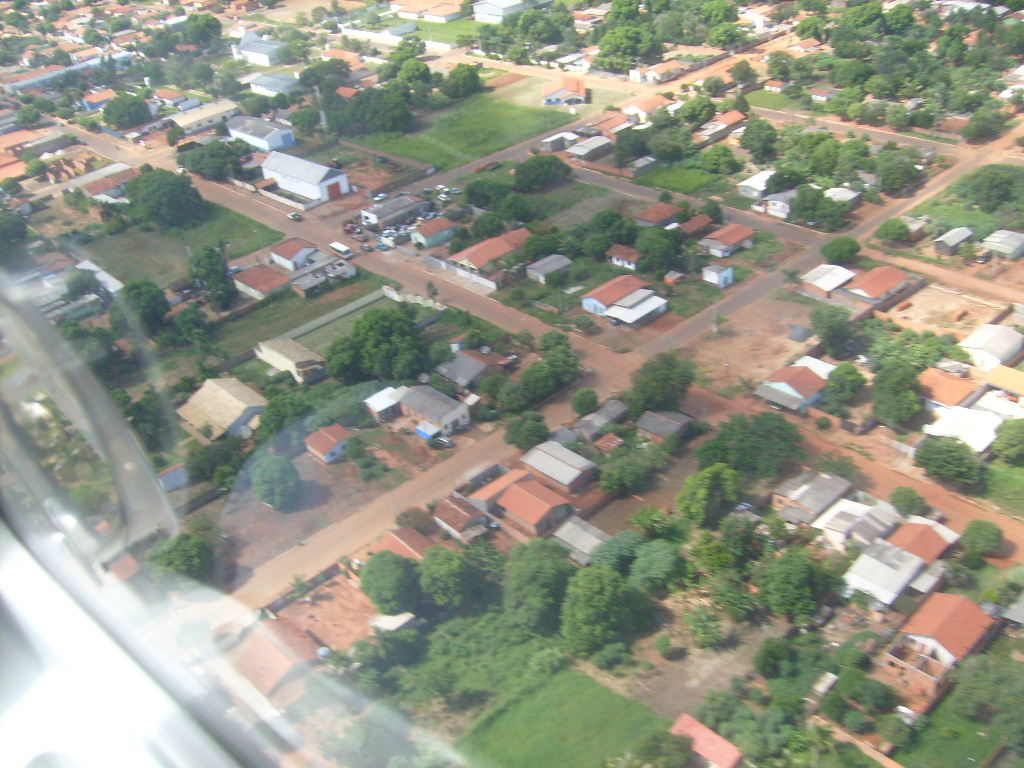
(367, 247)
(383, 247)
(455, 191)
(182, 169)
(235, 270)
(381, 196)
(442, 442)
(294, 216)
(985, 258)
(349, 228)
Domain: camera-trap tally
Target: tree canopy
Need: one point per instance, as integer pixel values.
(535, 583)
(1009, 443)
(660, 383)
(709, 495)
(895, 393)
(164, 198)
(384, 344)
(536, 173)
(125, 111)
(982, 536)
(275, 480)
(832, 326)
(949, 459)
(762, 445)
(446, 577)
(209, 271)
(526, 430)
(139, 301)
(391, 582)
(592, 611)
(789, 585)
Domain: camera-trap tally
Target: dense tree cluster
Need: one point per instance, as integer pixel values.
(383, 344)
(763, 445)
(165, 199)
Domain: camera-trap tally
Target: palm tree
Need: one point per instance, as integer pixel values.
(650, 521)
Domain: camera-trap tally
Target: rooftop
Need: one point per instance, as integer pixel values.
(828, 277)
(299, 168)
(945, 388)
(261, 278)
(557, 462)
(496, 487)
(658, 212)
(291, 350)
(732, 234)
(220, 403)
(530, 501)
(434, 226)
(974, 427)
(924, 538)
(716, 750)
(805, 381)
(615, 289)
(954, 621)
(326, 438)
(878, 281)
(254, 126)
(580, 538)
(814, 491)
(289, 249)
(623, 253)
(487, 251)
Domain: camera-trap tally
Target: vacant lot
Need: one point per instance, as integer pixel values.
(446, 33)
(162, 255)
(769, 100)
(1004, 486)
(525, 91)
(473, 128)
(585, 210)
(677, 179)
(946, 310)
(950, 740)
(751, 344)
(571, 721)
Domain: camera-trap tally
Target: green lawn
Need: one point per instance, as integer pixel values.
(570, 722)
(473, 128)
(693, 296)
(446, 33)
(769, 100)
(563, 197)
(676, 178)
(989, 578)
(162, 256)
(1004, 485)
(766, 247)
(321, 338)
(949, 740)
(285, 312)
(951, 212)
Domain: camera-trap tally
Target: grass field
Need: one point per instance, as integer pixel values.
(769, 100)
(162, 256)
(676, 178)
(766, 247)
(446, 33)
(321, 338)
(1004, 485)
(471, 129)
(570, 722)
(949, 740)
(691, 297)
(988, 577)
(563, 197)
(951, 212)
(526, 93)
(585, 210)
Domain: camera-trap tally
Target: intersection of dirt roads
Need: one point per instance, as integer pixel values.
(610, 370)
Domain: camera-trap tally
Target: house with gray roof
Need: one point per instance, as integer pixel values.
(799, 500)
(580, 538)
(1015, 613)
(271, 84)
(1005, 243)
(304, 177)
(991, 345)
(883, 571)
(470, 366)
(397, 209)
(549, 265)
(436, 413)
(261, 51)
(949, 243)
(661, 425)
(589, 427)
(265, 135)
(561, 467)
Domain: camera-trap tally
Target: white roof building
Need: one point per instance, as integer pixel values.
(974, 427)
(991, 345)
(636, 306)
(756, 185)
(205, 116)
(852, 521)
(883, 571)
(1005, 242)
(820, 367)
(304, 177)
(828, 277)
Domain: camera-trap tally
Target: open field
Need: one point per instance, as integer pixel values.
(586, 209)
(446, 33)
(569, 721)
(949, 740)
(280, 315)
(946, 310)
(162, 256)
(762, 254)
(769, 100)
(473, 128)
(563, 197)
(525, 92)
(676, 178)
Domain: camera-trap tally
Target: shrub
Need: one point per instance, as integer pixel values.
(547, 661)
(833, 706)
(856, 721)
(823, 422)
(663, 645)
(611, 656)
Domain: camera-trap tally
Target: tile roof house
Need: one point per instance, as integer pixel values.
(697, 225)
(260, 281)
(716, 751)
(460, 519)
(406, 542)
(566, 470)
(941, 390)
(877, 284)
(923, 537)
(800, 499)
(305, 366)
(658, 215)
(274, 655)
(883, 571)
(292, 254)
(623, 256)
(797, 386)
(626, 298)
(580, 538)
(943, 631)
(533, 507)
(659, 426)
(727, 240)
(223, 406)
(480, 257)
(658, 73)
(991, 345)
(328, 443)
(564, 91)
(825, 278)
(97, 100)
(646, 107)
(434, 232)
(487, 495)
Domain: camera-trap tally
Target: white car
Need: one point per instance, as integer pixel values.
(381, 196)
(441, 188)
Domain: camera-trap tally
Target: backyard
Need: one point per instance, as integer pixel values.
(677, 178)
(473, 128)
(949, 739)
(569, 721)
(162, 256)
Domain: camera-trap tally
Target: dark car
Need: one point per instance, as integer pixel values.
(382, 247)
(985, 258)
(295, 216)
(367, 247)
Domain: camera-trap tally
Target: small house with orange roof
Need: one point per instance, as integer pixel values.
(658, 215)
(625, 299)
(662, 72)
(798, 386)
(941, 390)
(924, 537)
(481, 257)
(714, 750)
(94, 101)
(725, 241)
(328, 443)
(944, 631)
(876, 284)
(532, 507)
(563, 92)
(405, 542)
(623, 256)
(643, 109)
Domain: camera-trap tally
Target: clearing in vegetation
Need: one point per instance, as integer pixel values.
(677, 178)
(569, 721)
(473, 128)
(162, 256)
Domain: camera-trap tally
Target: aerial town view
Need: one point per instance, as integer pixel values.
(540, 384)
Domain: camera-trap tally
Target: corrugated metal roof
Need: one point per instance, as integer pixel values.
(298, 168)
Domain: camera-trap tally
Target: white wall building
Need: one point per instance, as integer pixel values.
(262, 134)
(305, 178)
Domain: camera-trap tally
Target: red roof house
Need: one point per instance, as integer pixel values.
(717, 751)
(328, 443)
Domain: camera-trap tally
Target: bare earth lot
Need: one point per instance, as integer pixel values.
(946, 310)
(752, 344)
